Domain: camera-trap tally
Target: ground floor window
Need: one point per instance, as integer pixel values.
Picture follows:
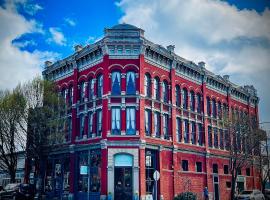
(151, 165)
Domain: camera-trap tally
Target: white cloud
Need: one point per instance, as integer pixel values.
(18, 65)
(230, 41)
(70, 21)
(57, 36)
(25, 43)
(32, 9)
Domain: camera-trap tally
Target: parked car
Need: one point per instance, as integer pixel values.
(17, 191)
(251, 195)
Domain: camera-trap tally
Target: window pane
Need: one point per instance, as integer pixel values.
(131, 120)
(147, 122)
(130, 82)
(116, 83)
(116, 129)
(100, 86)
(99, 122)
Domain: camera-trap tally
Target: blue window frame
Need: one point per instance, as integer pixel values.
(100, 86)
(131, 83)
(116, 83)
(131, 120)
(99, 122)
(147, 122)
(147, 85)
(116, 121)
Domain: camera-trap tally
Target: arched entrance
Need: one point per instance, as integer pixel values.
(123, 176)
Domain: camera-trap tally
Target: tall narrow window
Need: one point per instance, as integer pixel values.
(156, 88)
(131, 83)
(81, 126)
(199, 103)
(178, 96)
(131, 120)
(178, 129)
(208, 106)
(157, 124)
(185, 98)
(99, 122)
(69, 129)
(82, 91)
(193, 132)
(147, 122)
(100, 86)
(90, 124)
(91, 89)
(116, 129)
(215, 168)
(219, 110)
(215, 138)
(221, 139)
(201, 135)
(227, 141)
(70, 95)
(192, 101)
(210, 136)
(116, 83)
(184, 165)
(165, 91)
(147, 85)
(166, 126)
(186, 131)
(214, 108)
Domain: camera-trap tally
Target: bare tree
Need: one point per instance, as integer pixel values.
(12, 137)
(243, 143)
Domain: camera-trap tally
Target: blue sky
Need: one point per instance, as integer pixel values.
(232, 37)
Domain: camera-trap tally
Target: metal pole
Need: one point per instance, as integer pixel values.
(155, 189)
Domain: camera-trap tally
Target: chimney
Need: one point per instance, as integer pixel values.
(170, 48)
(201, 64)
(48, 63)
(78, 47)
(226, 77)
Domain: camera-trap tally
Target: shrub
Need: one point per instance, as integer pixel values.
(186, 196)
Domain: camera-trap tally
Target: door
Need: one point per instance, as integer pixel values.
(216, 187)
(123, 183)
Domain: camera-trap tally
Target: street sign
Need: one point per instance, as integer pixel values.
(156, 175)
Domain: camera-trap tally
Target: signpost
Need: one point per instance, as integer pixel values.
(156, 177)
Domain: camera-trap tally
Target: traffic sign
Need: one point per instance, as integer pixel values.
(156, 175)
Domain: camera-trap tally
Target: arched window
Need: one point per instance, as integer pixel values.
(116, 83)
(131, 83)
(192, 101)
(199, 103)
(208, 106)
(147, 85)
(165, 91)
(91, 89)
(156, 88)
(185, 98)
(100, 86)
(214, 108)
(177, 95)
(82, 91)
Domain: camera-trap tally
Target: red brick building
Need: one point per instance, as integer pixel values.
(135, 107)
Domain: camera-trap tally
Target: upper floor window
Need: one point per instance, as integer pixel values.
(100, 86)
(82, 91)
(116, 83)
(219, 110)
(91, 89)
(99, 122)
(210, 136)
(157, 124)
(215, 168)
(184, 165)
(208, 106)
(131, 120)
(193, 132)
(147, 122)
(156, 89)
(131, 83)
(215, 138)
(90, 124)
(214, 108)
(68, 128)
(116, 129)
(221, 144)
(165, 91)
(70, 95)
(192, 101)
(201, 134)
(178, 129)
(177, 95)
(185, 98)
(166, 126)
(198, 166)
(199, 103)
(147, 85)
(81, 125)
(186, 131)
